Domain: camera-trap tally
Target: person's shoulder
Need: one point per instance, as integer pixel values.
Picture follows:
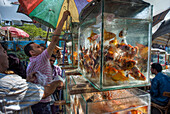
(44, 54)
(157, 77)
(161, 76)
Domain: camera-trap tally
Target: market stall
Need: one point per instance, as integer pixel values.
(113, 59)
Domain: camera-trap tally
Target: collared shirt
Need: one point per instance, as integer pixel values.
(17, 95)
(41, 63)
(159, 84)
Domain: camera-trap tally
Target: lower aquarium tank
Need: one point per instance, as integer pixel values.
(114, 43)
(125, 101)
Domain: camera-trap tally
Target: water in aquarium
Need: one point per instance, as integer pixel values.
(119, 56)
(116, 102)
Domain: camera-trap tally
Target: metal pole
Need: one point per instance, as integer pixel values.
(47, 35)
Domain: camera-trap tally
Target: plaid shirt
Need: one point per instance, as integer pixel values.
(41, 63)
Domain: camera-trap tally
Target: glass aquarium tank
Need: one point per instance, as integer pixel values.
(124, 101)
(114, 43)
(75, 84)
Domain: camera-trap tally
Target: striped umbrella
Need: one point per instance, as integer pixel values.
(49, 12)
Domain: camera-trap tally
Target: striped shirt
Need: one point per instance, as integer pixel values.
(17, 95)
(41, 63)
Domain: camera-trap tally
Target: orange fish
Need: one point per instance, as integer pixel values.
(112, 50)
(139, 110)
(143, 50)
(143, 109)
(87, 58)
(114, 42)
(75, 54)
(92, 37)
(108, 35)
(75, 57)
(135, 112)
(109, 71)
(128, 64)
(97, 70)
(135, 73)
(122, 33)
(119, 76)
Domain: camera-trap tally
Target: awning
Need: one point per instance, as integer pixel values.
(162, 35)
(159, 17)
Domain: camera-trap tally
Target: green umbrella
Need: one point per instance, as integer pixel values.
(49, 12)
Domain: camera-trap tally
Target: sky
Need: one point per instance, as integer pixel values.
(8, 10)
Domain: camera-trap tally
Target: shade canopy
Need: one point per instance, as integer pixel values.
(50, 12)
(15, 32)
(162, 35)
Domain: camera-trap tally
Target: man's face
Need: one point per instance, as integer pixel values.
(152, 71)
(3, 60)
(52, 60)
(36, 49)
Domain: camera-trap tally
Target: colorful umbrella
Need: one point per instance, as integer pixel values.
(49, 12)
(15, 32)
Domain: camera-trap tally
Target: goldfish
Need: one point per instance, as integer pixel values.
(97, 70)
(139, 110)
(124, 47)
(122, 33)
(119, 76)
(108, 35)
(135, 112)
(92, 37)
(81, 65)
(109, 71)
(128, 64)
(114, 42)
(135, 73)
(143, 50)
(75, 54)
(112, 50)
(87, 58)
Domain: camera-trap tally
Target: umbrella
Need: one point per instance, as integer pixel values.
(2, 32)
(15, 32)
(49, 12)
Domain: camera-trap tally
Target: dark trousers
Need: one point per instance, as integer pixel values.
(41, 108)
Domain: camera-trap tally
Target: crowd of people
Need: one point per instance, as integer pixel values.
(33, 94)
(32, 89)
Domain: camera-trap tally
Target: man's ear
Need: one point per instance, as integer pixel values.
(31, 52)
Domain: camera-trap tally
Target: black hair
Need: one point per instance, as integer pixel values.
(43, 45)
(27, 48)
(57, 51)
(16, 65)
(4, 45)
(157, 67)
(53, 56)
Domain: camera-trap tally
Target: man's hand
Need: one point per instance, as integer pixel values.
(57, 33)
(50, 88)
(65, 15)
(60, 85)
